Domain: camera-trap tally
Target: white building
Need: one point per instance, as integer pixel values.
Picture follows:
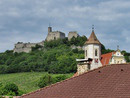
(92, 52)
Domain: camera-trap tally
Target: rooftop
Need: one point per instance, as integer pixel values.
(92, 39)
(105, 58)
(111, 81)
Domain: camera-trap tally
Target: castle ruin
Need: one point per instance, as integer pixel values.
(26, 47)
(54, 35)
(72, 34)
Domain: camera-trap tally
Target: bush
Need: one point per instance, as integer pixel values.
(48, 80)
(60, 78)
(45, 80)
(11, 88)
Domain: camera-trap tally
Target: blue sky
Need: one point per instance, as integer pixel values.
(27, 20)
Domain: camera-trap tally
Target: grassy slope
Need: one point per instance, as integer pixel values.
(26, 82)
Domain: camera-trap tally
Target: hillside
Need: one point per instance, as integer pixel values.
(56, 56)
(27, 82)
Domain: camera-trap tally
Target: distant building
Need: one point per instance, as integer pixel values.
(54, 35)
(26, 47)
(113, 58)
(72, 34)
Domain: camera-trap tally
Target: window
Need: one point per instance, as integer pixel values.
(118, 62)
(96, 52)
(115, 61)
(86, 52)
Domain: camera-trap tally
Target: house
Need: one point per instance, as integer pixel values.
(105, 82)
(113, 58)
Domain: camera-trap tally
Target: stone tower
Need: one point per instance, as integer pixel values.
(49, 29)
(93, 50)
(54, 35)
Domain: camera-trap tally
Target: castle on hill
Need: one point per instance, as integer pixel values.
(52, 35)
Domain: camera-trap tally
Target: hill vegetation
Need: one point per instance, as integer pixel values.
(56, 56)
(28, 81)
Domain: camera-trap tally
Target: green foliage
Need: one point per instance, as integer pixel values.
(11, 87)
(45, 80)
(127, 55)
(79, 41)
(60, 78)
(49, 79)
(59, 59)
(27, 81)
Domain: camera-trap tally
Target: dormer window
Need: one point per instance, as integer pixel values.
(96, 52)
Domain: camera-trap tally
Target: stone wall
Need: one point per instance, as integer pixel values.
(72, 34)
(82, 68)
(25, 47)
(55, 35)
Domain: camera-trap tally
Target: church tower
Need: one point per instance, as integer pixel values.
(93, 50)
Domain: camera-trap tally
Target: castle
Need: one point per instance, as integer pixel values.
(52, 35)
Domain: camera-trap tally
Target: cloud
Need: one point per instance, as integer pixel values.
(27, 20)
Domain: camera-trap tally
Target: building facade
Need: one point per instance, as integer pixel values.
(113, 58)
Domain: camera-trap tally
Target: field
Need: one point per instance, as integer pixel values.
(26, 82)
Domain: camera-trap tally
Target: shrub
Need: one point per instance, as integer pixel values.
(11, 87)
(45, 80)
(60, 78)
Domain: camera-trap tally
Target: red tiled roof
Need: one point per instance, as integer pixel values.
(105, 58)
(111, 81)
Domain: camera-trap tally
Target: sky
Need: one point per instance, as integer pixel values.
(28, 20)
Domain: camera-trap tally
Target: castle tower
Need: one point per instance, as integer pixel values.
(93, 50)
(49, 29)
